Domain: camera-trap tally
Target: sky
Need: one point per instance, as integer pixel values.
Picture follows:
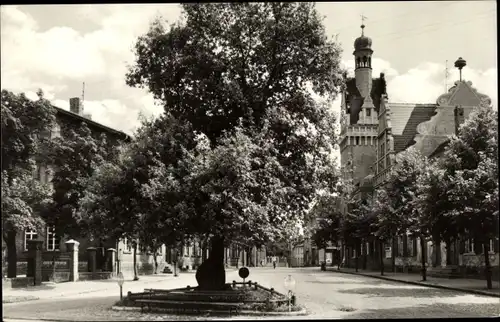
(58, 47)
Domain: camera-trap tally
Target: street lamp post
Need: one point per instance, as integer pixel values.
(290, 286)
(120, 281)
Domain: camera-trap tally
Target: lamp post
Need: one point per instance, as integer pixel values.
(290, 286)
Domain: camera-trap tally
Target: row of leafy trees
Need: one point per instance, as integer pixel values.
(449, 198)
(238, 154)
(242, 146)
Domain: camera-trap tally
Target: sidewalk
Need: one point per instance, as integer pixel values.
(462, 284)
(50, 290)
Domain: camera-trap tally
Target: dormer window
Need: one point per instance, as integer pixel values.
(368, 112)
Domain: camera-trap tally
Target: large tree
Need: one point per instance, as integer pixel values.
(471, 171)
(238, 74)
(74, 157)
(430, 204)
(26, 127)
(396, 214)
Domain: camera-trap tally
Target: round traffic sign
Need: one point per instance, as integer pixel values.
(243, 272)
(120, 279)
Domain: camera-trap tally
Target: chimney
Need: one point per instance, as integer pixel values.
(75, 106)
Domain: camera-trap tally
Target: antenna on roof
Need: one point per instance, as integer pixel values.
(83, 95)
(446, 74)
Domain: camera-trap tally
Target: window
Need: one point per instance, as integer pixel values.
(469, 246)
(368, 112)
(127, 246)
(53, 241)
(388, 252)
(400, 245)
(29, 235)
(367, 248)
(492, 246)
(56, 131)
(357, 140)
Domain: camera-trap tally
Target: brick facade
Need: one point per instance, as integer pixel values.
(396, 127)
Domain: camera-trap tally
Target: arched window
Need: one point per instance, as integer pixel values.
(358, 62)
(364, 61)
(369, 62)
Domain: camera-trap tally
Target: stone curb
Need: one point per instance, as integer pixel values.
(249, 313)
(18, 299)
(107, 287)
(478, 292)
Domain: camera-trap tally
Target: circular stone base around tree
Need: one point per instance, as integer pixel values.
(234, 300)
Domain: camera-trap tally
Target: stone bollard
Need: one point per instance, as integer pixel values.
(91, 259)
(111, 260)
(72, 247)
(35, 254)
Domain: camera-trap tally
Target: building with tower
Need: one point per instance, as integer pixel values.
(374, 130)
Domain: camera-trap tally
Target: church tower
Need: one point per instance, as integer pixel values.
(360, 121)
(363, 64)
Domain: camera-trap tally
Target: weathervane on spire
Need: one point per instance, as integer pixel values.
(363, 18)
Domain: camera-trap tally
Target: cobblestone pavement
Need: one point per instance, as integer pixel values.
(325, 295)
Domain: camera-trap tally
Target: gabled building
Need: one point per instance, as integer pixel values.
(53, 244)
(374, 130)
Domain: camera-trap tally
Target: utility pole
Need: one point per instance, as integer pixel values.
(446, 74)
(83, 96)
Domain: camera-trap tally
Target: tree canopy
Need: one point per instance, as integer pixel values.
(242, 146)
(26, 127)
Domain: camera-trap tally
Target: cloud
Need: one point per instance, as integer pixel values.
(425, 82)
(50, 59)
(58, 59)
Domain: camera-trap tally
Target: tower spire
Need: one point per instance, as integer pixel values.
(363, 18)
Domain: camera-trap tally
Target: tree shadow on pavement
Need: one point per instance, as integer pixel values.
(401, 292)
(343, 282)
(430, 311)
(43, 287)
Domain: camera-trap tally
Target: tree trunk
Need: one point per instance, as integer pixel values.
(487, 264)
(423, 254)
(211, 274)
(11, 254)
(393, 254)
(381, 248)
(155, 269)
(356, 253)
(341, 255)
(365, 256)
(136, 277)
(53, 267)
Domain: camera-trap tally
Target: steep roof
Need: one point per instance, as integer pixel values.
(405, 119)
(464, 94)
(92, 123)
(376, 92)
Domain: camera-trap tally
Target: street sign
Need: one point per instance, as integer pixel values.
(120, 279)
(243, 272)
